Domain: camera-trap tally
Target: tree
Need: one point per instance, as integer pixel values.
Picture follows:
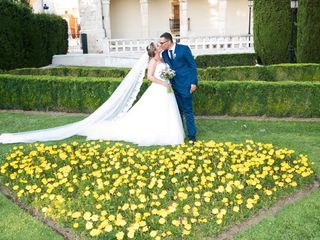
(308, 39)
(272, 26)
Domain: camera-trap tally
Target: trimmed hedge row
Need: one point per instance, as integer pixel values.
(281, 72)
(247, 98)
(213, 98)
(27, 39)
(74, 71)
(224, 60)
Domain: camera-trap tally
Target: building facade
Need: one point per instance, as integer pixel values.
(126, 25)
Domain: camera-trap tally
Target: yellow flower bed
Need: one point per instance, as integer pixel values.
(123, 192)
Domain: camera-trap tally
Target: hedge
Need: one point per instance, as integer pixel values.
(11, 34)
(308, 43)
(74, 71)
(45, 35)
(271, 30)
(27, 39)
(223, 60)
(280, 72)
(70, 94)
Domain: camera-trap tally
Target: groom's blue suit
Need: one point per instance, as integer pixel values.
(186, 74)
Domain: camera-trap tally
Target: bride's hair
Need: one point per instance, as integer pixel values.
(151, 49)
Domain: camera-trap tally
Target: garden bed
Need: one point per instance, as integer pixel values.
(119, 191)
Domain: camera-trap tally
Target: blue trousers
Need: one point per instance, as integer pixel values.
(185, 109)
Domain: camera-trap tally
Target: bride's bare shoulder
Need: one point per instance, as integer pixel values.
(152, 62)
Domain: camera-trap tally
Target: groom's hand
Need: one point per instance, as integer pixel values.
(193, 88)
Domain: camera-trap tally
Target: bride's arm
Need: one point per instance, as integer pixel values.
(151, 68)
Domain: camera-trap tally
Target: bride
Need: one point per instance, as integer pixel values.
(153, 120)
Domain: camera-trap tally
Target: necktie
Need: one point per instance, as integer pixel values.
(171, 54)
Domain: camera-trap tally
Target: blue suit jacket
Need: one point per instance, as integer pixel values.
(185, 66)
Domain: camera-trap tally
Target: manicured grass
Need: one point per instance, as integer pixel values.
(15, 224)
(304, 137)
(297, 221)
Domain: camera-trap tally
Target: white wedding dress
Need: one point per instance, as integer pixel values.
(153, 120)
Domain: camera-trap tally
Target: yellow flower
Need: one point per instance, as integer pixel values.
(268, 192)
(187, 226)
(174, 180)
(249, 205)
(76, 214)
(153, 233)
(120, 222)
(89, 225)
(185, 232)
(215, 211)
(95, 232)
(176, 223)
(162, 221)
(75, 225)
(108, 228)
(219, 221)
(94, 218)
(236, 208)
(119, 235)
(131, 234)
(87, 216)
(98, 206)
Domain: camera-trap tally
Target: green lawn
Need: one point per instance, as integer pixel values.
(304, 137)
(299, 221)
(16, 224)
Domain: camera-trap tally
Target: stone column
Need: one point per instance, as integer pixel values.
(223, 16)
(106, 17)
(91, 23)
(183, 18)
(144, 8)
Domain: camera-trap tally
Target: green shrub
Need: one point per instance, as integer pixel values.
(76, 94)
(49, 93)
(223, 60)
(74, 71)
(308, 39)
(279, 72)
(41, 44)
(271, 29)
(11, 34)
(250, 98)
(29, 40)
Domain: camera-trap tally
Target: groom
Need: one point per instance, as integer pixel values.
(180, 59)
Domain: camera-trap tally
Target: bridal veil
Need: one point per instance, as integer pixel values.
(119, 103)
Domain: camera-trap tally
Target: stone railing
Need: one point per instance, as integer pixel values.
(198, 45)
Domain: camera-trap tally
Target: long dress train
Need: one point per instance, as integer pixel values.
(114, 121)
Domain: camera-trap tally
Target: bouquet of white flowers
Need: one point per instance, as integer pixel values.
(167, 74)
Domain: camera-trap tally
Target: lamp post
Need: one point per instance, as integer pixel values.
(294, 7)
(250, 5)
(45, 7)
